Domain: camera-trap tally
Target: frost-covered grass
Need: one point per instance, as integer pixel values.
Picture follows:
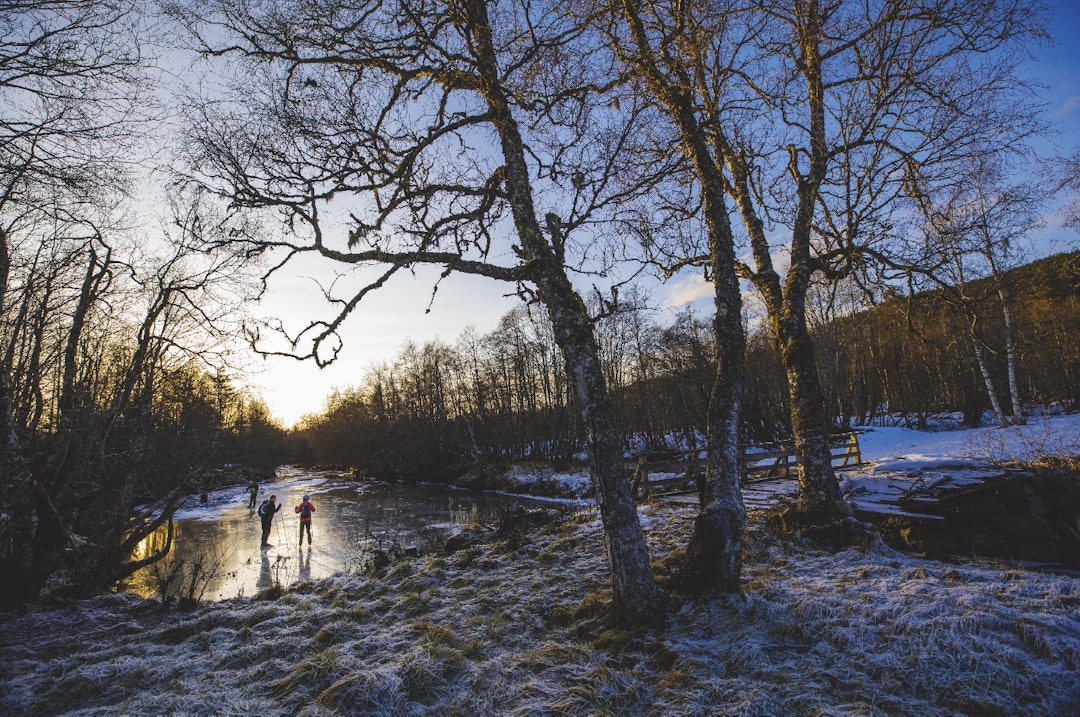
(502, 629)
(546, 481)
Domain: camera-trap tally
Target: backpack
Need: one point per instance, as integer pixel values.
(264, 508)
(305, 510)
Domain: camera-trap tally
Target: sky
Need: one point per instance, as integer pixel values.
(376, 332)
(403, 310)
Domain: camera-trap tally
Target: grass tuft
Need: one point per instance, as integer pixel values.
(377, 693)
(422, 678)
(306, 676)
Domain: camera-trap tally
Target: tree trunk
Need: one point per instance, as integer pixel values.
(637, 598)
(16, 511)
(819, 492)
(1010, 358)
(714, 554)
(636, 595)
(987, 377)
(16, 507)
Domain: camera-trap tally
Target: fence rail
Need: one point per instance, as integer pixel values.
(760, 463)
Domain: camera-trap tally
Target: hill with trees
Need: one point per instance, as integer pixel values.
(437, 409)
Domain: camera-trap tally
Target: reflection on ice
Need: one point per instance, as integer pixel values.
(216, 553)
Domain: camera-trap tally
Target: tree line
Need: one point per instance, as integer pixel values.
(114, 408)
(913, 357)
(116, 387)
(435, 410)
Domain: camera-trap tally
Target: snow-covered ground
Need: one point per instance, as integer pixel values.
(904, 449)
(519, 628)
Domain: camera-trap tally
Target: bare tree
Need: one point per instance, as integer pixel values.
(448, 122)
(978, 229)
(105, 446)
(825, 117)
(666, 45)
(70, 80)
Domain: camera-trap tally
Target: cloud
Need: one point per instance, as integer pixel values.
(687, 289)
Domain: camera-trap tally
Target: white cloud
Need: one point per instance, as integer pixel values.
(1065, 108)
(687, 289)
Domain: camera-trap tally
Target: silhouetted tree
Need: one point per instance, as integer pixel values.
(451, 122)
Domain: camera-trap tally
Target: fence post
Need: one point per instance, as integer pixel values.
(853, 438)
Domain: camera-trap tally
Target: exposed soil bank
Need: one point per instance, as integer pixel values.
(1031, 517)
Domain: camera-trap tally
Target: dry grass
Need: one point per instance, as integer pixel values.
(523, 628)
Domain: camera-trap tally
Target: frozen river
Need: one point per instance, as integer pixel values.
(350, 519)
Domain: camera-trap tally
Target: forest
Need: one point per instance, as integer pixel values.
(434, 410)
(859, 185)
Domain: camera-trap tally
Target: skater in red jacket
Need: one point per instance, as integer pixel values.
(304, 510)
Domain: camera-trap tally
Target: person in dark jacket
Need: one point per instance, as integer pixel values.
(266, 512)
(304, 510)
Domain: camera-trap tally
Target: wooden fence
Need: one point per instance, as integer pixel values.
(760, 463)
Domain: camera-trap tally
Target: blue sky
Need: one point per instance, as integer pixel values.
(399, 312)
(1058, 68)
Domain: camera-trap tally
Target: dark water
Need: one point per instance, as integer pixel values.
(216, 553)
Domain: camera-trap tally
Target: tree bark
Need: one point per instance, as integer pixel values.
(714, 553)
(819, 492)
(1017, 417)
(637, 598)
(987, 376)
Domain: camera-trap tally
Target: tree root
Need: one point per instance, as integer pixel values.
(825, 530)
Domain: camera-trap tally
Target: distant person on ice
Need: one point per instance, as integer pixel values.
(266, 512)
(253, 489)
(305, 510)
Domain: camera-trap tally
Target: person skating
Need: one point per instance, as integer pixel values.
(266, 512)
(304, 510)
(253, 490)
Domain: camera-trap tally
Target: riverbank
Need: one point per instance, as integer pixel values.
(535, 479)
(520, 627)
(883, 449)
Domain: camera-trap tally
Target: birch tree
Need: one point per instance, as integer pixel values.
(667, 44)
(468, 135)
(819, 121)
(975, 232)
